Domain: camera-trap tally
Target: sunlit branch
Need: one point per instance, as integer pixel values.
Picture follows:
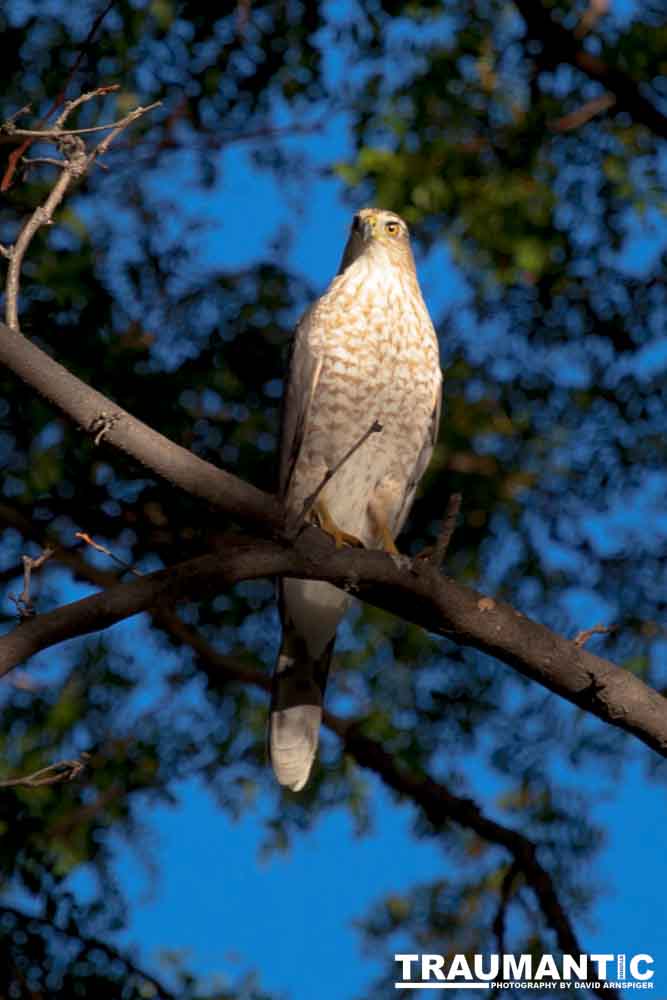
(413, 590)
(76, 161)
(24, 603)
(447, 530)
(581, 638)
(53, 774)
(84, 48)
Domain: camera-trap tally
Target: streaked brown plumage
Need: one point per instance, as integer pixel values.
(365, 351)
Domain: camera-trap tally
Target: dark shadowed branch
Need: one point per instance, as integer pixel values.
(412, 589)
(88, 946)
(109, 424)
(562, 46)
(438, 804)
(440, 807)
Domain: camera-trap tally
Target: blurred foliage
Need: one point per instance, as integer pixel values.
(555, 354)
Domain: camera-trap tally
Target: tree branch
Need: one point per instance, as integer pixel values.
(24, 602)
(562, 46)
(53, 774)
(414, 590)
(583, 114)
(437, 557)
(76, 161)
(40, 217)
(18, 153)
(100, 417)
(435, 800)
(440, 806)
(89, 944)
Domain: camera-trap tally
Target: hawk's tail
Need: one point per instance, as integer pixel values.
(297, 692)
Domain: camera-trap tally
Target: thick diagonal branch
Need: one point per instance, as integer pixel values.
(415, 591)
(110, 424)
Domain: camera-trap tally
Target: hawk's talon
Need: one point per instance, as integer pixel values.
(327, 524)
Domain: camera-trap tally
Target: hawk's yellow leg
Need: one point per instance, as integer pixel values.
(382, 529)
(327, 523)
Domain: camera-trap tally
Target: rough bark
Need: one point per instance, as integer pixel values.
(413, 589)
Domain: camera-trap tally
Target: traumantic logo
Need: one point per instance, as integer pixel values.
(550, 972)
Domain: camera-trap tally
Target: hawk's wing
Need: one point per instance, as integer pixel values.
(302, 378)
(423, 459)
(299, 677)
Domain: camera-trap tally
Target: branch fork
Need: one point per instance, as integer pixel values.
(75, 163)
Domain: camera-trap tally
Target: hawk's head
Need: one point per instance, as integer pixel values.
(376, 229)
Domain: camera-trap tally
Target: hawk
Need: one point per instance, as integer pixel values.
(366, 351)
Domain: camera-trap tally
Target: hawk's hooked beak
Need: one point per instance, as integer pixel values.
(369, 225)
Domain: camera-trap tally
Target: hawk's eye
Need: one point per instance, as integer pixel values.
(391, 228)
(356, 223)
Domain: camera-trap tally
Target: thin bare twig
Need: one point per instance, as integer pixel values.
(76, 162)
(581, 638)
(40, 217)
(23, 602)
(90, 95)
(506, 886)
(595, 10)
(583, 114)
(107, 552)
(310, 501)
(62, 770)
(448, 528)
(16, 155)
(119, 127)
(36, 161)
(25, 110)
(56, 131)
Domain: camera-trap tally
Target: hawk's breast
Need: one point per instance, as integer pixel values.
(378, 360)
